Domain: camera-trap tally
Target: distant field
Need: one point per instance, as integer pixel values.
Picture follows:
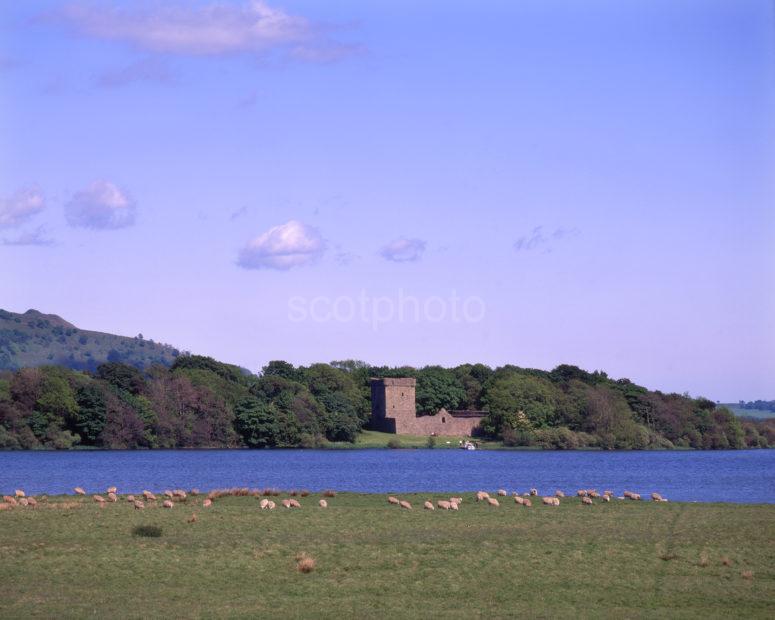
(750, 413)
(68, 558)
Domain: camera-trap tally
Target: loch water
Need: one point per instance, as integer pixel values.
(742, 476)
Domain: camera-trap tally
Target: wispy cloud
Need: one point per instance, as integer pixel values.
(403, 250)
(235, 215)
(146, 70)
(21, 207)
(538, 240)
(248, 101)
(101, 206)
(35, 237)
(216, 29)
(283, 247)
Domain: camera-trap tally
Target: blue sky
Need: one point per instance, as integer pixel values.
(259, 181)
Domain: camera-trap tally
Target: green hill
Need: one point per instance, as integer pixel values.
(760, 414)
(35, 339)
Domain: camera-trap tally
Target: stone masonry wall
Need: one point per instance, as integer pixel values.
(393, 410)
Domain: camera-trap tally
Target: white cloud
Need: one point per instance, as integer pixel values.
(216, 29)
(34, 237)
(403, 250)
(20, 207)
(101, 206)
(283, 247)
(538, 240)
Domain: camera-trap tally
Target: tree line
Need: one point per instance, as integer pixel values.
(761, 405)
(199, 402)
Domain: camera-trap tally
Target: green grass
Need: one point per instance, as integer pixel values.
(762, 414)
(68, 558)
(375, 439)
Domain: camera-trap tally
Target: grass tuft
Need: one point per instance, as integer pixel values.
(147, 531)
(747, 574)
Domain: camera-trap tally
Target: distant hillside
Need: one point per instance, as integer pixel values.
(750, 412)
(35, 339)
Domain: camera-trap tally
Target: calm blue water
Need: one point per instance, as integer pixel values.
(738, 476)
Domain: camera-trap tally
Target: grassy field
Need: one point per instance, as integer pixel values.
(375, 439)
(69, 558)
(761, 414)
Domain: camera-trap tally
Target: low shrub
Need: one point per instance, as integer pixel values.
(147, 531)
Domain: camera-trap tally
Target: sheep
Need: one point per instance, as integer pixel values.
(20, 493)
(79, 491)
(551, 501)
(581, 493)
(428, 505)
(586, 500)
(262, 504)
(10, 500)
(99, 499)
(481, 496)
(606, 498)
(294, 503)
(533, 492)
(179, 493)
(527, 503)
(519, 500)
(112, 497)
(23, 501)
(167, 504)
(138, 505)
(456, 500)
(149, 496)
(444, 504)
(593, 493)
(286, 503)
(5, 506)
(608, 492)
(656, 497)
(393, 500)
(271, 505)
(559, 493)
(113, 490)
(631, 495)
(130, 498)
(323, 503)
(32, 501)
(207, 503)
(404, 504)
(492, 501)
(502, 492)
(169, 494)
(194, 492)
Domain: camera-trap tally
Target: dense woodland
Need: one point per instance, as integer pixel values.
(199, 402)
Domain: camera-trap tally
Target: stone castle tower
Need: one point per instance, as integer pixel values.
(392, 402)
(393, 410)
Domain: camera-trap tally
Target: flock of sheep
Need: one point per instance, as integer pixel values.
(587, 496)
(140, 501)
